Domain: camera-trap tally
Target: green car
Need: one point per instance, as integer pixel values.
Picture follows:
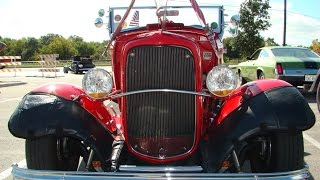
(296, 65)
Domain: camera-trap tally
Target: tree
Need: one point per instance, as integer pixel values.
(99, 49)
(61, 46)
(270, 42)
(29, 48)
(32, 45)
(47, 39)
(254, 17)
(75, 39)
(229, 45)
(83, 48)
(316, 46)
(16, 47)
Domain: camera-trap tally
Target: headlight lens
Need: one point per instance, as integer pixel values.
(80, 65)
(97, 83)
(222, 81)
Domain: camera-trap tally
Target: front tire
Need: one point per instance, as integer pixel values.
(284, 152)
(288, 153)
(43, 154)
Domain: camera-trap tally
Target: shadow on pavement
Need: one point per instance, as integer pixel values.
(11, 83)
(306, 154)
(310, 97)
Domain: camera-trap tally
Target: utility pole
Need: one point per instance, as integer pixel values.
(285, 23)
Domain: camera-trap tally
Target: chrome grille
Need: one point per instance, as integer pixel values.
(157, 117)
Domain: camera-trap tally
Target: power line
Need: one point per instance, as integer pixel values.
(279, 10)
(318, 18)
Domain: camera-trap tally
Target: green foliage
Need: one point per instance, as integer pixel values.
(315, 46)
(47, 39)
(83, 48)
(270, 42)
(30, 48)
(99, 50)
(254, 17)
(232, 51)
(61, 46)
(14, 47)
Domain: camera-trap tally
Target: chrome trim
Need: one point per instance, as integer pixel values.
(115, 96)
(145, 169)
(22, 173)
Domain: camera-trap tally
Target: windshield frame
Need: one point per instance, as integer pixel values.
(112, 24)
(193, 3)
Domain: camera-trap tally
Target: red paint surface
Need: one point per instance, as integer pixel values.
(65, 90)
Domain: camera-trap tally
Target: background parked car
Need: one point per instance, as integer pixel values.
(79, 64)
(296, 65)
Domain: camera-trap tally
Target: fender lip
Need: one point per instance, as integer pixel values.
(64, 90)
(167, 173)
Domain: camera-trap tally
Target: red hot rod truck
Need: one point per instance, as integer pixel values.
(170, 109)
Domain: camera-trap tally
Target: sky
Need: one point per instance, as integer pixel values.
(36, 18)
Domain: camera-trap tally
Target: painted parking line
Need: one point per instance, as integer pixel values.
(311, 140)
(6, 173)
(12, 99)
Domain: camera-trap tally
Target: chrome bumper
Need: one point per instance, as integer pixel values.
(158, 173)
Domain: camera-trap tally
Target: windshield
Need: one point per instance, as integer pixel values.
(169, 11)
(293, 52)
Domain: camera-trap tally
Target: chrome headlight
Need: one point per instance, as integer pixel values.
(80, 65)
(222, 81)
(97, 83)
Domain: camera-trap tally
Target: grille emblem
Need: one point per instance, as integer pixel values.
(162, 153)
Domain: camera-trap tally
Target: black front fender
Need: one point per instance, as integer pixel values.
(282, 109)
(41, 114)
